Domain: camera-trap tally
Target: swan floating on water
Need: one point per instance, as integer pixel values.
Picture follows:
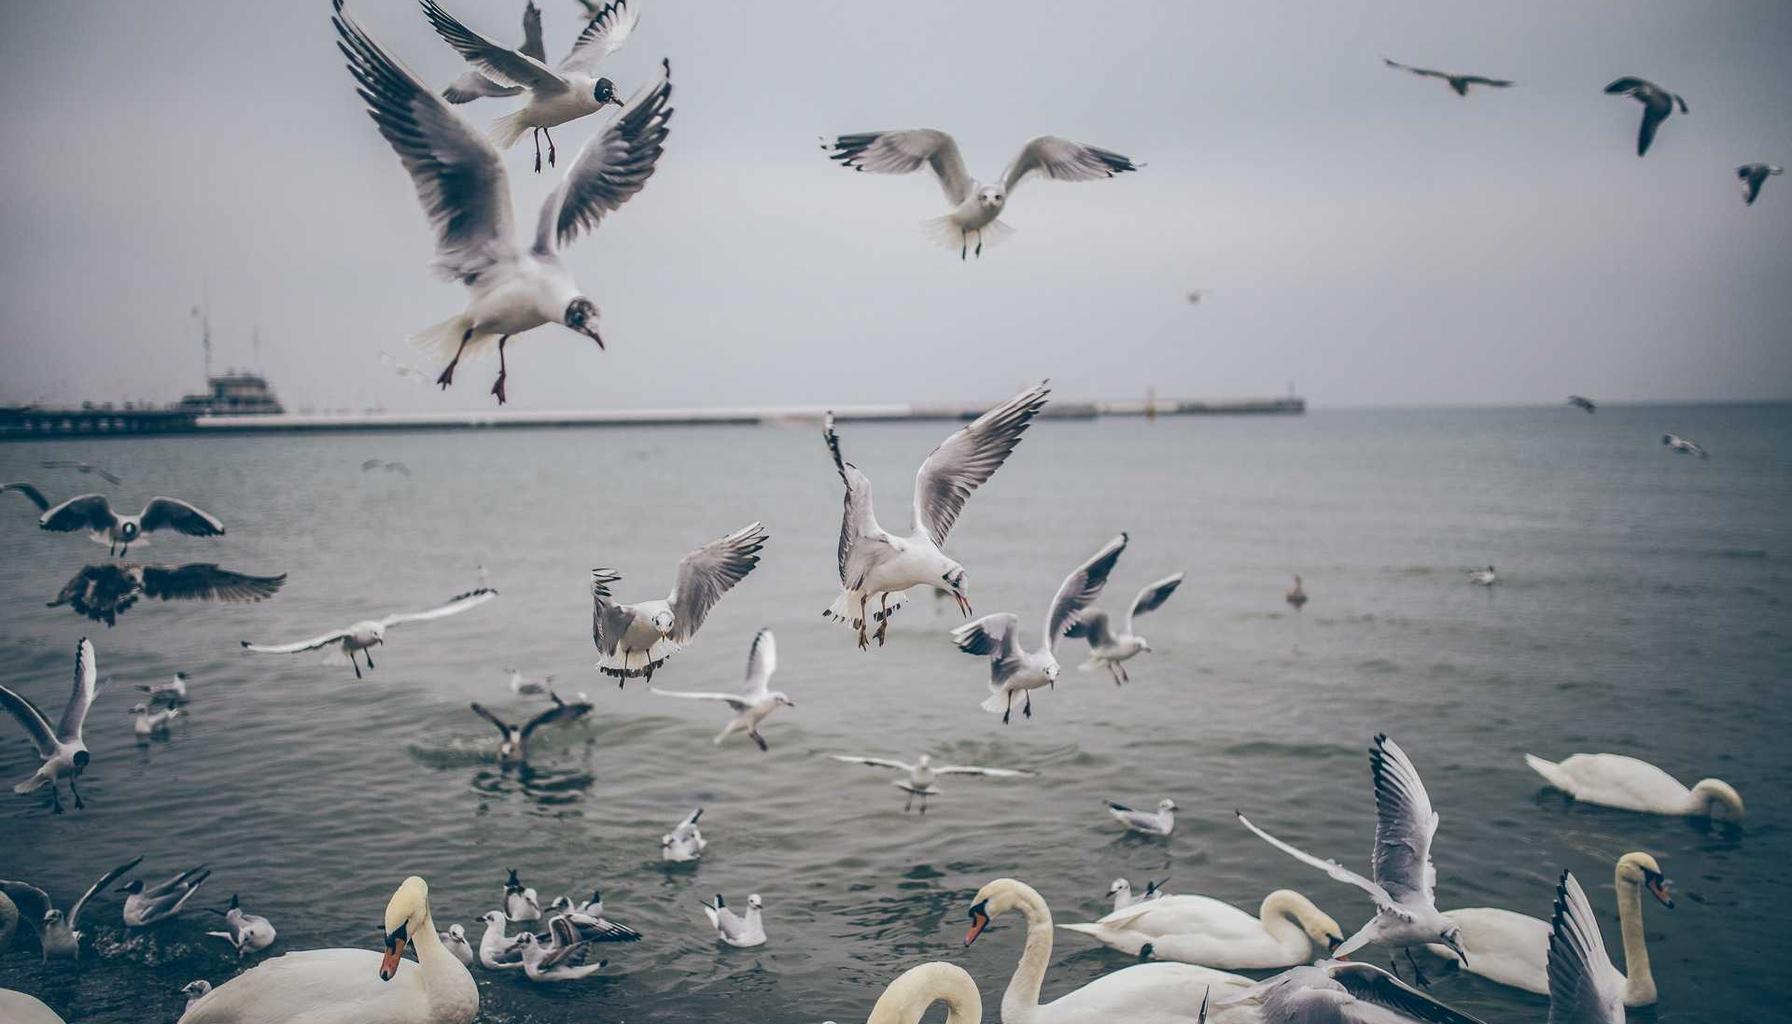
(1205, 931)
(1140, 994)
(1614, 780)
(354, 986)
(1513, 949)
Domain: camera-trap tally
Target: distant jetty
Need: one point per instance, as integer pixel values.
(24, 422)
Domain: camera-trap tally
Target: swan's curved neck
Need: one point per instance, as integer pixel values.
(1639, 982)
(1281, 915)
(910, 996)
(1021, 999)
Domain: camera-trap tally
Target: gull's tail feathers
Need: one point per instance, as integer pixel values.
(443, 340)
(997, 702)
(509, 128)
(946, 233)
(846, 608)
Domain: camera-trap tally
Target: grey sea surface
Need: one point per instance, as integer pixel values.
(1643, 609)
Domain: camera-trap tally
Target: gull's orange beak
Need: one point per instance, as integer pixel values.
(389, 962)
(979, 921)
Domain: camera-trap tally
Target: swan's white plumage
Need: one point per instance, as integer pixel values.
(1614, 780)
(1206, 931)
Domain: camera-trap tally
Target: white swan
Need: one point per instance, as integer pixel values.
(354, 986)
(22, 1008)
(1206, 931)
(1513, 949)
(1140, 994)
(1613, 780)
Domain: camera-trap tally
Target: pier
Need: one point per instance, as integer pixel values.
(26, 422)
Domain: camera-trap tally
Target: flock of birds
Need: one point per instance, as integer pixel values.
(1190, 944)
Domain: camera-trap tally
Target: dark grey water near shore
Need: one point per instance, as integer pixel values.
(1644, 610)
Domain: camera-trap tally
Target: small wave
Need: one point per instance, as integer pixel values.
(1298, 751)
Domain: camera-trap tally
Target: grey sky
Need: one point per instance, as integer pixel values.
(1363, 233)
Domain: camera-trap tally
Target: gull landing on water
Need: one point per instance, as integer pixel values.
(58, 934)
(875, 563)
(62, 750)
(461, 184)
(1681, 446)
(513, 749)
(997, 637)
(1657, 103)
(1458, 83)
(922, 773)
(556, 95)
(366, 635)
(1404, 882)
(633, 640)
(976, 206)
(752, 705)
(1111, 650)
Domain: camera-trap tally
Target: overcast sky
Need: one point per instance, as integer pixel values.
(1364, 234)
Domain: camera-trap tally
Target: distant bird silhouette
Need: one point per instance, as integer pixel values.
(104, 592)
(1657, 103)
(1752, 175)
(1297, 595)
(1682, 446)
(1459, 83)
(1582, 402)
(391, 467)
(82, 467)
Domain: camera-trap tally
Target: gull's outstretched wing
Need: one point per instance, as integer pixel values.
(73, 919)
(1080, 589)
(996, 637)
(501, 64)
(707, 573)
(971, 769)
(36, 726)
(1370, 984)
(609, 621)
(1422, 72)
(1404, 826)
(967, 459)
(762, 661)
(473, 85)
(610, 169)
(1092, 625)
(560, 712)
(1063, 160)
(87, 686)
(608, 29)
(858, 519)
(486, 713)
(1330, 867)
(85, 512)
(459, 177)
(733, 700)
(178, 515)
(457, 604)
(300, 645)
(875, 762)
(1152, 597)
(690, 820)
(1584, 987)
(204, 581)
(1496, 83)
(31, 493)
(902, 152)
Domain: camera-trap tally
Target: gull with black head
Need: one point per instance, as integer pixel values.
(634, 640)
(363, 636)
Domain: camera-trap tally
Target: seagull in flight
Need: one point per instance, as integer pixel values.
(1483, 577)
(82, 467)
(633, 640)
(30, 491)
(58, 934)
(997, 637)
(365, 635)
(1751, 175)
(753, 704)
(514, 747)
(91, 512)
(472, 85)
(1343, 992)
(145, 906)
(921, 774)
(1583, 402)
(104, 591)
(1681, 446)
(1657, 103)
(464, 191)
(1458, 83)
(1111, 650)
(370, 465)
(976, 207)
(1403, 885)
(61, 748)
(875, 564)
(557, 95)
